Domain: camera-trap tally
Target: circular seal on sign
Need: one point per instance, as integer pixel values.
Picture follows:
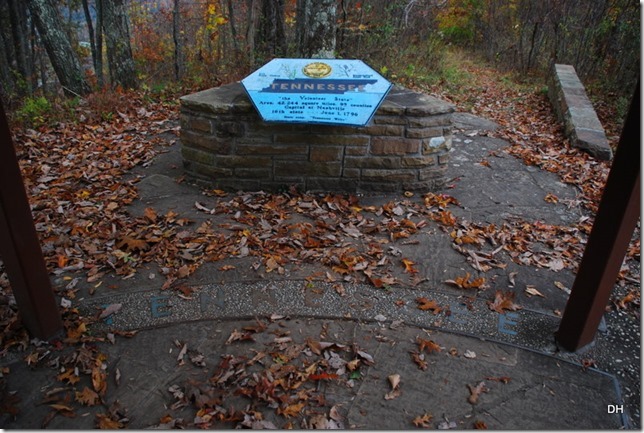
(317, 70)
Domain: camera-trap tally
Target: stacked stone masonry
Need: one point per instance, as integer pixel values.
(226, 145)
(574, 109)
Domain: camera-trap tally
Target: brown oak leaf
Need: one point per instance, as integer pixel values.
(87, 397)
(503, 301)
(423, 420)
(426, 304)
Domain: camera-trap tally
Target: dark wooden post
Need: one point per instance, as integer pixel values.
(615, 221)
(19, 246)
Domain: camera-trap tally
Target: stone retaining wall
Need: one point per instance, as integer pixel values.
(226, 145)
(574, 109)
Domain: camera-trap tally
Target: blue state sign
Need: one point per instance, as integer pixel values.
(330, 91)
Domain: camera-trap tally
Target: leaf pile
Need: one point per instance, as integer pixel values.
(82, 372)
(284, 378)
(74, 174)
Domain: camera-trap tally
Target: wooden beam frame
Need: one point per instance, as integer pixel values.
(20, 248)
(610, 236)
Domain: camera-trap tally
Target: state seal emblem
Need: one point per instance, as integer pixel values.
(317, 70)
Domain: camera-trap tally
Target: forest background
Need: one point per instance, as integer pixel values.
(165, 48)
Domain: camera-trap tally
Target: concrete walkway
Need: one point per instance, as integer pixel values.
(482, 368)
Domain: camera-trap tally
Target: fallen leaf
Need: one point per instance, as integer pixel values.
(150, 214)
(475, 392)
(631, 296)
(105, 422)
(447, 425)
(109, 310)
(323, 376)
(423, 420)
(503, 301)
(314, 345)
(87, 397)
(427, 345)
(68, 375)
(366, 358)
(469, 354)
(219, 192)
(183, 271)
(551, 198)
(74, 334)
(428, 305)
(182, 353)
(532, 291)
(587, 363)
(204, 208)
(61, 407)
(291, 410)
(511, 276)
(339, 289)
(321, 422)
(394, 381)
(556, 265)
(353, 365)
(502, 379)
(560, 286)
(239, 336)
(132, 244)
(465, 283)
(480, 425)
(409, 266)
(99, 380)
(419, 359)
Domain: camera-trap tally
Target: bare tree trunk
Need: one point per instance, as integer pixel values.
(37, 56)
(92, 39)
(99, 43)
(176, 37)
(39, 60)
(316, 25)
(253, 17)
(20, 33)
(233, 29)
(6, 80)
(270, 38)
(119, 50)
(59, 48)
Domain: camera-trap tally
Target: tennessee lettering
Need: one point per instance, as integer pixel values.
(321, 87)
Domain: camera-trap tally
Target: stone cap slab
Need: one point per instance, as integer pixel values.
(405, 101)
(231, 98)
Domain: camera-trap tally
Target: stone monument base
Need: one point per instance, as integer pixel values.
(226, 145)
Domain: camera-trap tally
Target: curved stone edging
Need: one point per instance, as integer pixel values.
(147, 309)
